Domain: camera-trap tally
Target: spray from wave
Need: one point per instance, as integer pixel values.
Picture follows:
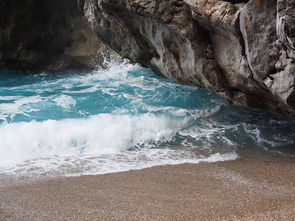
(121, 118)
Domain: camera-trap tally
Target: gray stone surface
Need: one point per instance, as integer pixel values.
(158, 34)
(228, 47)
(258, 27)
(242, 50)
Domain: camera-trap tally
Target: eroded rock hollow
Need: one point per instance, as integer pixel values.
(242, 50)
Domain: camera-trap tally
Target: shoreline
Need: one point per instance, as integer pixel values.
(242, 189)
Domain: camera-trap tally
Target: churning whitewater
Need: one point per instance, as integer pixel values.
(120, 118)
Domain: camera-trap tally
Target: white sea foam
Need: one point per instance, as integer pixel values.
(117, 141)
(21, 105)
(96, 145)
(65, 101)
(100, 134)
(10, 98)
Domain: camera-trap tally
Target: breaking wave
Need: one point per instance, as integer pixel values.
(121, 118)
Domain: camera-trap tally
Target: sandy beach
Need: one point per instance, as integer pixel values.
(244, 189)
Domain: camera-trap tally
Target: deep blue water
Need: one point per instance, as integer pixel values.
(125, 117)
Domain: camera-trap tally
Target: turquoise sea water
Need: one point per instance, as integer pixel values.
(125, 117)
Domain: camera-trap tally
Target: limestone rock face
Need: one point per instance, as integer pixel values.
(268, 30)
(221, 19)
(283, 81)
(242, 50)
(46, 35)
(161, 35)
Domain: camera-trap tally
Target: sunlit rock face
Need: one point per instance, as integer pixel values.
(46, 35)
(241, 50)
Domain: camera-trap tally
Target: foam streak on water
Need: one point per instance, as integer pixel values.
(121, 118)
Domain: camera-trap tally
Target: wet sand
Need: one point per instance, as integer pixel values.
(244, 189)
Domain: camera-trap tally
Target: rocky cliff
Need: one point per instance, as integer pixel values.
(242, 50)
